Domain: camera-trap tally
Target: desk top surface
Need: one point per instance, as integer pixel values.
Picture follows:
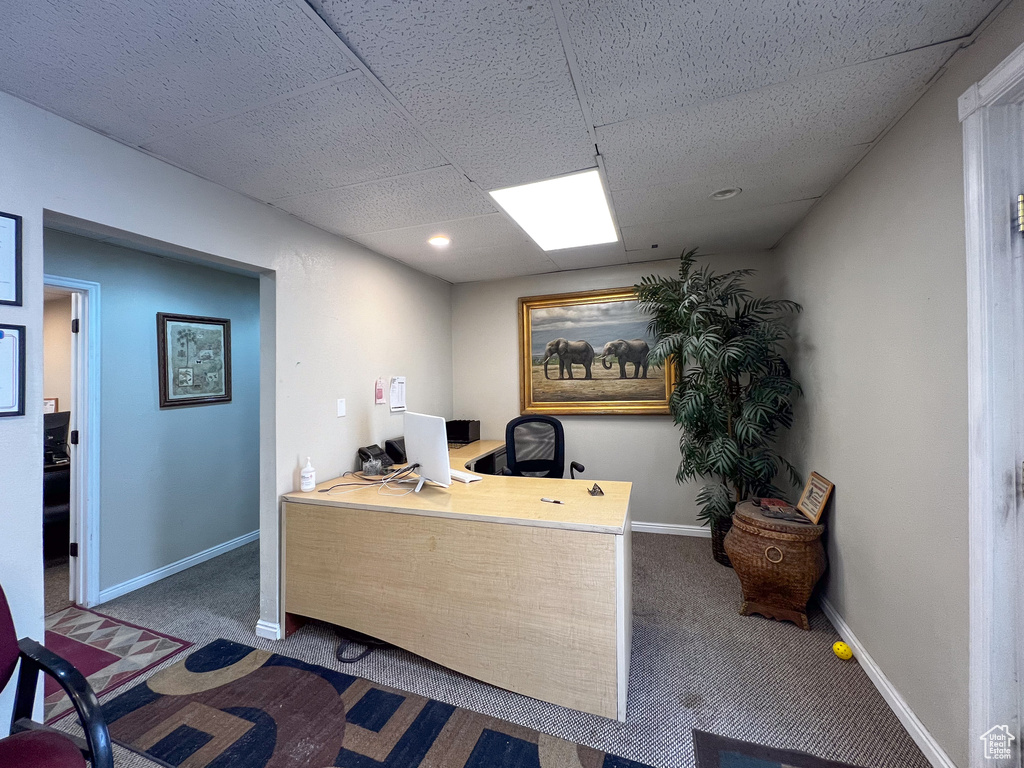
(495, 498)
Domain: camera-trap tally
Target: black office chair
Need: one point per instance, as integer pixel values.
(535, 447)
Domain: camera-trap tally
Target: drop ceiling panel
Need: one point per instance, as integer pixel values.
(338, 134)
(763, 184)
(484, 242)
(139, 69)
(742, 230)
(589, 257)
(639, 58)
(491, 263)
(436, 194)
(488, 81)
(783, 122)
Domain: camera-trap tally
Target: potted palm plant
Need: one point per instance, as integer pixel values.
(732, 391)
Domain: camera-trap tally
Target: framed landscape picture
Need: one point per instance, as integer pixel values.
(588, 352)
(194, 357)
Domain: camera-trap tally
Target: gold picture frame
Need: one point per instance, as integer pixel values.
(591, 319)
(814, 497)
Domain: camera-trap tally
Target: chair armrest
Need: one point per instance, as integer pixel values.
(506, 471)
(36, 658)
(575, 467)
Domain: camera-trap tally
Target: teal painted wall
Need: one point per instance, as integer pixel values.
(176, 481)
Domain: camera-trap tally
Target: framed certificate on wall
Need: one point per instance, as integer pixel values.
(10, 259)
(12, 370)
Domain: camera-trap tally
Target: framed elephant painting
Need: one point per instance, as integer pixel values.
(583, 353)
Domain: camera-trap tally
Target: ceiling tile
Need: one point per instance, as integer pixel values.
(639, 58)
(139, 69)
(436, 194)
(763, 184)
(733, 231)
(482, 245)
(492, 263)
(488, 81)
(335, 135)
(589, 256)
(781, 123)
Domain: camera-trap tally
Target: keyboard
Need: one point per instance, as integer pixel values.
(465, 477)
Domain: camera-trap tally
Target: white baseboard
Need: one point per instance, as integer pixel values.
(924, 740)
(674, 529)
(169, 570)
(269, 630)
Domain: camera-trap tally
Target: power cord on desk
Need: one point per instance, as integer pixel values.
(381, 482)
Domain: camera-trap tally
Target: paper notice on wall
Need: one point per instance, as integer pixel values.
(378, 392)
(397, 393)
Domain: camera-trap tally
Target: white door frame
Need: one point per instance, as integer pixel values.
(85, 417)
(991, 114)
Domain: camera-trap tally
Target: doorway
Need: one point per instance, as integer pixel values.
(992, 114)
(71, 440)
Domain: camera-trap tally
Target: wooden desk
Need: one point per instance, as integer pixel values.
(483, 578)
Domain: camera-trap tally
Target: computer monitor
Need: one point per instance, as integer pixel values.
(55, 432)
(426, 444)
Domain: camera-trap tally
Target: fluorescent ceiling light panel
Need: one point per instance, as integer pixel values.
(566, 212)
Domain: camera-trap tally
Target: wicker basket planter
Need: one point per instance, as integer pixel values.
(778, 563)
(718, 531)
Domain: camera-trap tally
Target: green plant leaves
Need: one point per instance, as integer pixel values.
(734, 390)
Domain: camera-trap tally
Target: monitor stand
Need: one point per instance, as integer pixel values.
(420, 481)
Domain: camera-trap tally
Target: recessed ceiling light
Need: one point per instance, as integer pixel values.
(439, 241)
(565, 212)
(725, 194)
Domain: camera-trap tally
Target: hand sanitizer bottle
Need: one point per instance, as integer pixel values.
(308, 482)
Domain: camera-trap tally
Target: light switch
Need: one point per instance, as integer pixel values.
(341, 407)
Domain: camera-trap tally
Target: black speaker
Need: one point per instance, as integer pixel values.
(463, 431)
(396, 450)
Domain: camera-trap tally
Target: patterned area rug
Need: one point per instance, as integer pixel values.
(107, 651)
(719, 752)
(231, 705)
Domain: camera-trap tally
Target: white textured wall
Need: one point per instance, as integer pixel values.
(640, 449)
(880, 268)
(57, 351)
(316, 341)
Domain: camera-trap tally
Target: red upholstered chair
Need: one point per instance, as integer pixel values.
(32, 745)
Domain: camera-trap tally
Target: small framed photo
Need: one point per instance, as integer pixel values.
(12, 370)
(10, 259)
(815, 497)
(51, 404)
(194, 357)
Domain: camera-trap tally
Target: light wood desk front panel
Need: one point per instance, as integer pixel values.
(536, 610)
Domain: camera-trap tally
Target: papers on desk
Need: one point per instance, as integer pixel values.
(397, 393)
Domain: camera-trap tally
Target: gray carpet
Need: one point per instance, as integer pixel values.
(696, 664)
(56, 581)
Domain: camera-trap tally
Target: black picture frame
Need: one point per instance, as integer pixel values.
(17, 300)
(170, 399)
(20, 384)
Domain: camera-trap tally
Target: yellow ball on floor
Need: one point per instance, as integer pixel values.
(842, 650)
